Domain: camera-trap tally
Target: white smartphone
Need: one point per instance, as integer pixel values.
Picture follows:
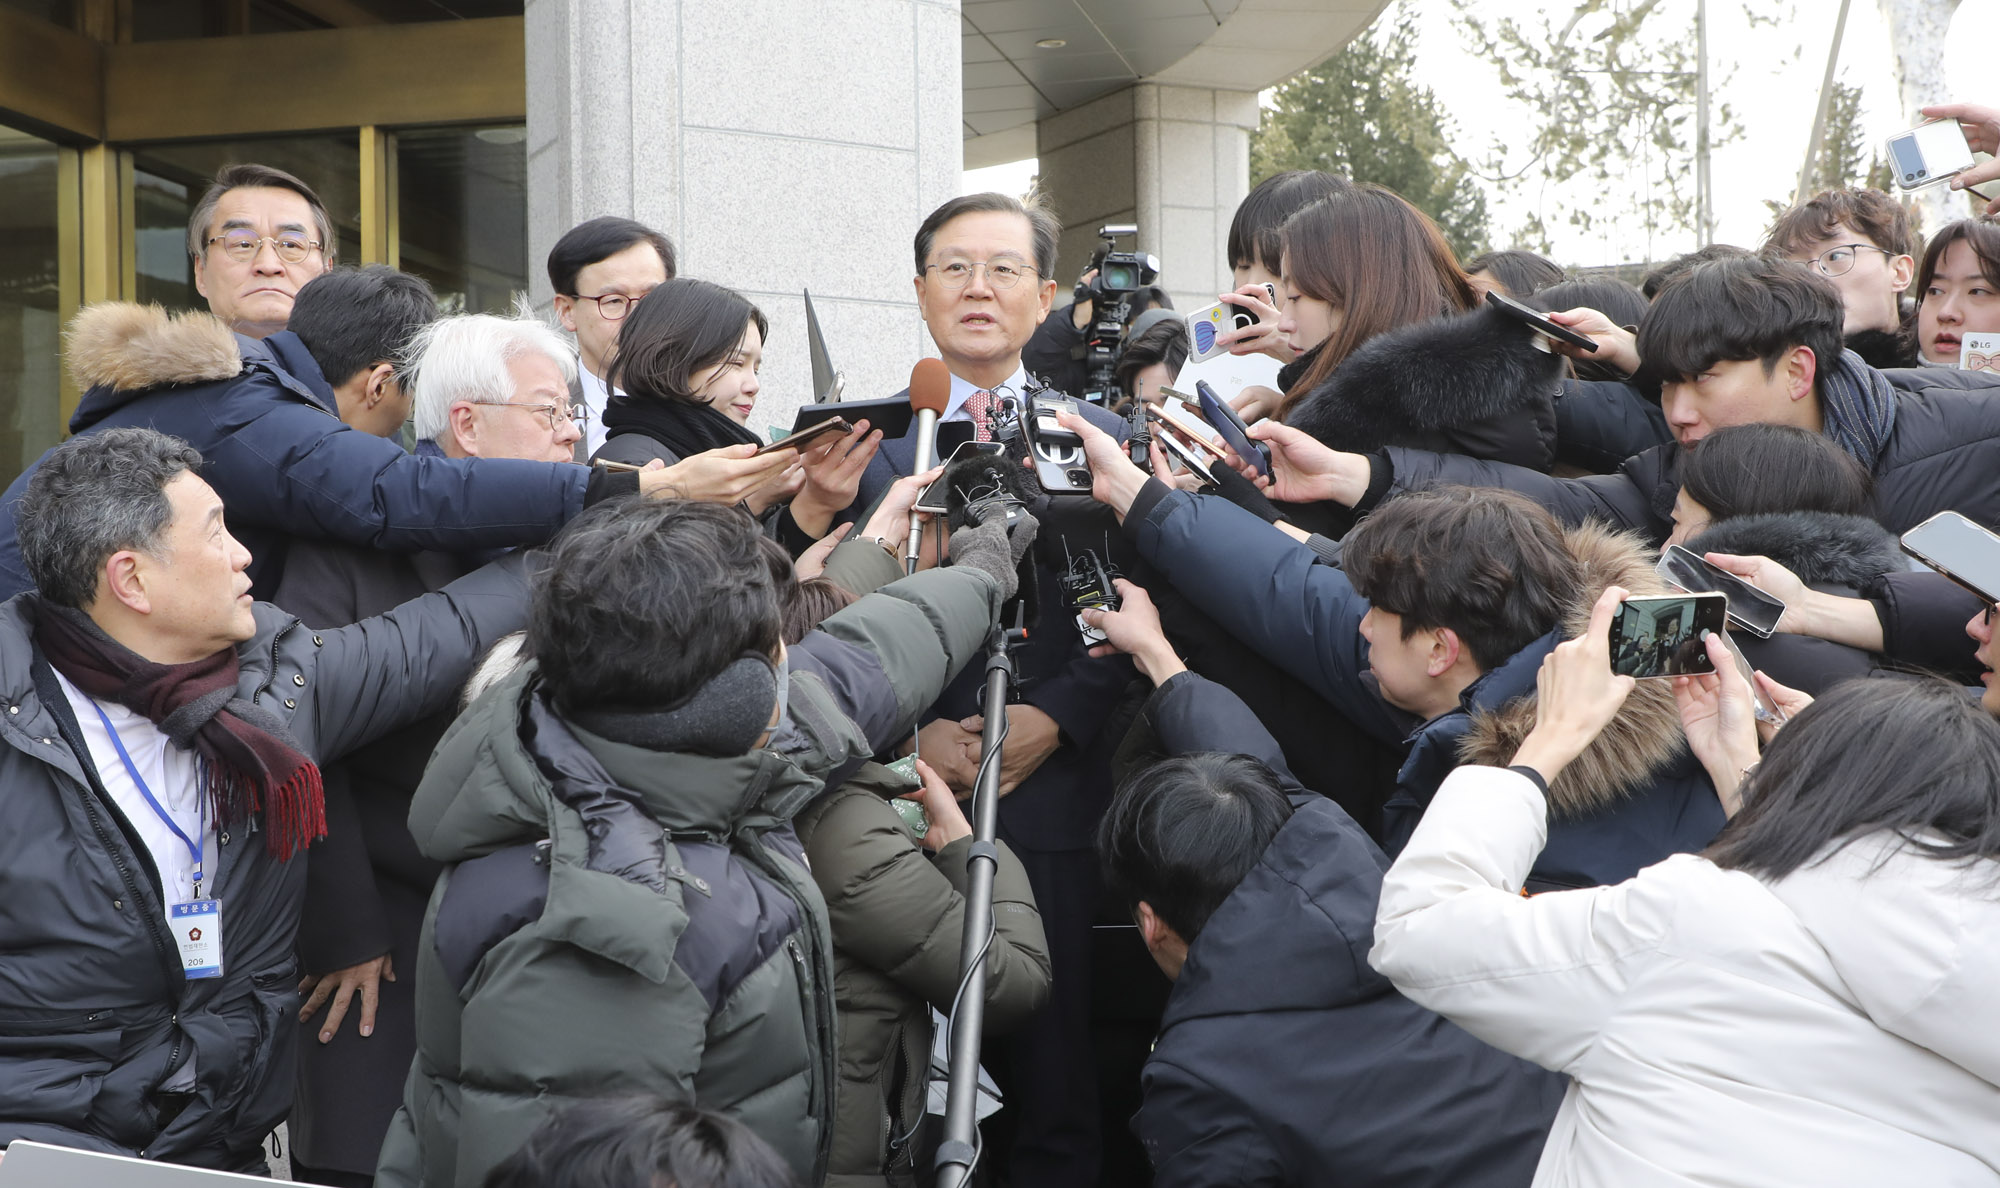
(1205, 326)
(1928, 154)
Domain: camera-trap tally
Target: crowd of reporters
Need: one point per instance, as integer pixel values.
(541, 735)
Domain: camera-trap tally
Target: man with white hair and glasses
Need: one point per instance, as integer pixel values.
(493, 387)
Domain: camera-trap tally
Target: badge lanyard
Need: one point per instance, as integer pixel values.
(193, 844)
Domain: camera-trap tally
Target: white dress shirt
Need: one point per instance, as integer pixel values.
(596, 395)
(171, 772)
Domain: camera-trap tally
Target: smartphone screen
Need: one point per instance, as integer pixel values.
(1749, 608)
(1665, 635)
(1959, 549)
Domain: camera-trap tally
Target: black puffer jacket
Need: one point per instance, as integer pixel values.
(1943, 455)
(1472, 384)
(95, 1014)
(1831, 553)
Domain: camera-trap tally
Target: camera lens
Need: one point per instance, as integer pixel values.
(1079, 477)
(1121, 276)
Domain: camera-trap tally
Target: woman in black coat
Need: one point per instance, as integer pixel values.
(685, 381)
(1396, 347)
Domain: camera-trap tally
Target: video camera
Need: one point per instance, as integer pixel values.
(1119, 276)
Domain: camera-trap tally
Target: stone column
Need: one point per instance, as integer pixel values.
(781, 145)
(1175, 160)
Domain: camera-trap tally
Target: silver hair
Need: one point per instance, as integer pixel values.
(465, 358)
(93, 496)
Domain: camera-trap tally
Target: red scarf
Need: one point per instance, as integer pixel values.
(249, 762)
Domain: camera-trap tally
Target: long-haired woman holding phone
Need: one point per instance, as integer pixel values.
(1815, 999)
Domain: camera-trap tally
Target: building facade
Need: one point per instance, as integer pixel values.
(784, 145)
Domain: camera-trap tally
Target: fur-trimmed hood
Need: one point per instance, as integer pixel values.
(1404, 387)
(1822, 548)
(130, 348)
(1645, 735)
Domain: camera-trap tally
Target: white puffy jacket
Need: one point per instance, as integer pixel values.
(1840, 1026)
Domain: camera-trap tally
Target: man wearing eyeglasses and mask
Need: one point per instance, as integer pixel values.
(985, 264)
(599, 270)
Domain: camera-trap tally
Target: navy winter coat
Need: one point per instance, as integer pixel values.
(1942, 455)
(1283, 1058)
(275, 450)
(1635, 796)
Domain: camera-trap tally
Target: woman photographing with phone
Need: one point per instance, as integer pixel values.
(1809, 1001)
(687, 363)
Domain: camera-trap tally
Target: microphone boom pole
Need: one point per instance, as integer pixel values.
(930, 392)
(959, 1149)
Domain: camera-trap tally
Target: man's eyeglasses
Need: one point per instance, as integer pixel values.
(576, 414)
(612, 307)
(1837, 261)
(1001, 274)
(243, 246)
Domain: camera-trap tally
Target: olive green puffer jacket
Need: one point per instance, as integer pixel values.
(618, 919)
(897, 915)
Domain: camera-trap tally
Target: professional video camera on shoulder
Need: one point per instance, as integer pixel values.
(1119, 276)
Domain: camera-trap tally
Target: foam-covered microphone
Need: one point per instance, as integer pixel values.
(930, 392)
(981, 485)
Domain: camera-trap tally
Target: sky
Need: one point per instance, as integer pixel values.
(1770, 76)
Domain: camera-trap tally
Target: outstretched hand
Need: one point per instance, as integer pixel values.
(1115, 481)
(727, 475)
(1615, 344)
(1577, 694)
(1981, 126)
(1718, 714)
(947, 819)
(1134, 629)
(1303, 469)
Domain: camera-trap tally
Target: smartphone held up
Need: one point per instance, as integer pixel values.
(1666, 635)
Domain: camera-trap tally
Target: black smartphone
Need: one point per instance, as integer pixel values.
(806, 438)
(892, 416)
(1537, 320)
(1959, 549)
(931, 498)
(1230, 427)
(1666, 635)
(1749, 608)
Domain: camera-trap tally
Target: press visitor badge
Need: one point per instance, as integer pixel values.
(197, 929)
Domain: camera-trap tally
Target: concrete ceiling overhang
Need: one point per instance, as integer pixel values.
(1243, 45)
